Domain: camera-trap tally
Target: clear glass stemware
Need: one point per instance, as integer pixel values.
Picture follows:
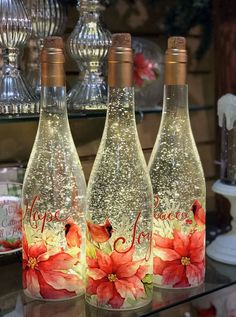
(16, 96)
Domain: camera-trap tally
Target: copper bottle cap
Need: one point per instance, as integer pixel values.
(176, 61)
(52, 62)
(120, 61)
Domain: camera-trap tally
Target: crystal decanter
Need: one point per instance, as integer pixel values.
(16, 96)
(48, 18)
(88, 45)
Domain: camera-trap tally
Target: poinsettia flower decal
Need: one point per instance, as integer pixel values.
(180, 261)
(45, 272)
(199, 213)
(100, 233)
(115, 277)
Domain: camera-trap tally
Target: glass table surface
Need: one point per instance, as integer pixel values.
(93, 114)
(13, 303)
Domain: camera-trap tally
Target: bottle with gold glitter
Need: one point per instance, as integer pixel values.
(54, 190)
(178, 184)
(120, 200)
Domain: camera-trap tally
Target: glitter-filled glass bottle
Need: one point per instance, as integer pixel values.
(54, 191)
(120, 200)
(178, 184)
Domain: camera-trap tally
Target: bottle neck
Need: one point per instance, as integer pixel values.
(53, 91)
(175, 99)
(121, 106)
(121, 91)
(53, 100)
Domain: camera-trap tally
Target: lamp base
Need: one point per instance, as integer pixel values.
(223, 248)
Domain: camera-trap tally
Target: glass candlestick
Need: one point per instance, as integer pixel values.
(227, 120)
(88, 45)
(223, 248)
(16, 96)
(48, 19)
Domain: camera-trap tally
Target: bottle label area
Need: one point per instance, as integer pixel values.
(52, 253)
(119, 265)
(179, 246)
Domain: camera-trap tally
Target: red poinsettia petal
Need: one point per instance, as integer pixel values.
(32, 283)
(161, 242)
(60, 280)
(105, 292)
(183, 282)
(25, 250)
(96, 274)
(116, 301)
(125, 288)
(121, 258)
(92, 263)
(24, 263)
(197, 255)
(167, 254)
(37, 249)
(181, 243)
(138, 286)
(104, 262)
(173, 274)
(49, 292)
(159, 265)
(194, 274)
(201, 267)
(24, 280)
(92, 285)
(142, 271)
(59, 261)
(197, 240)
(127, 270)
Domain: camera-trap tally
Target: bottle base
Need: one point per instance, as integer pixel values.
(177, 288)
(144, 303)
(52, 299)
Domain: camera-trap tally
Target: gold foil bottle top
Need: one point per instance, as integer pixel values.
(52, 62)
(176, 61)
(120, 61)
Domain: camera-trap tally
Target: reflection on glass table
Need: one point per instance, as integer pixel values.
(219, 278)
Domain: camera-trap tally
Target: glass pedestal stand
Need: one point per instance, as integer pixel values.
(223, 248)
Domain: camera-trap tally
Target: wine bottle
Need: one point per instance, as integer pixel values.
(178, 183)
(120, 199)
(54, 194)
